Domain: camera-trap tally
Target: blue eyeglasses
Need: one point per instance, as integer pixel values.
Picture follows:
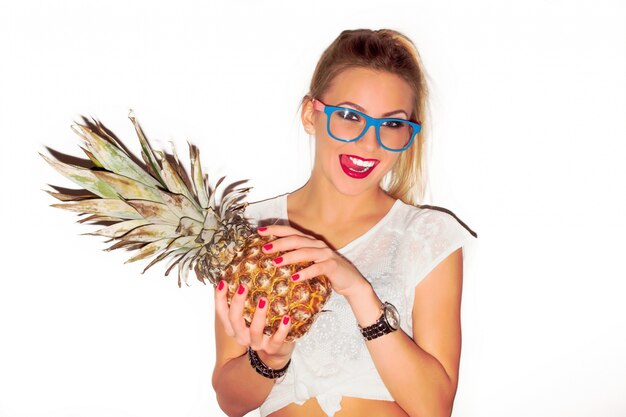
(349, 125)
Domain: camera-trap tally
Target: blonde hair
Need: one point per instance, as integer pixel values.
(390, 51)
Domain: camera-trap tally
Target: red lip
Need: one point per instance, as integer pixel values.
(353, 170)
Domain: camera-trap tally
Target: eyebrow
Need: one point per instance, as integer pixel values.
(356, 106)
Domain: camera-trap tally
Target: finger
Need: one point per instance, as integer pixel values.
(235, 316)
(221, 307)
(312, 271)
(277, 340)
(279, 230)
(258, 324)
(304, 255)
(292, 242)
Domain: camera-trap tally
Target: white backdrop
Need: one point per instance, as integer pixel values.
(528, 148)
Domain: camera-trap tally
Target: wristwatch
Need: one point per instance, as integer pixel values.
(389, 321)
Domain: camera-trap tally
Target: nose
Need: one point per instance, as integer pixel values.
(368, 141)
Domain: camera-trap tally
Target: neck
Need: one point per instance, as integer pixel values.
(331, 207)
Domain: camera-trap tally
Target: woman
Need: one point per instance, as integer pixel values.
(354, 220)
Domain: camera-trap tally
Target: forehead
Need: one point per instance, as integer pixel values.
(376, 91)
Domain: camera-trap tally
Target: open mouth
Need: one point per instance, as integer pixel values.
(357, 167)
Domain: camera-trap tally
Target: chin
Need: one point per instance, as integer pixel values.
(354, 187)
(348, 185)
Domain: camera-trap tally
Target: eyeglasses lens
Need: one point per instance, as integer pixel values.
(347, 125)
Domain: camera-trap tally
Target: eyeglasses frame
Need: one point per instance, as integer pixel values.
(369, 121)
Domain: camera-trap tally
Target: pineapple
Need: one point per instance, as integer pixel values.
(159, 211)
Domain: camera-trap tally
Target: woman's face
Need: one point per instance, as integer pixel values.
(344, 164)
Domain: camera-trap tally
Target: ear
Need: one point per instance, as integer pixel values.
(306, 115)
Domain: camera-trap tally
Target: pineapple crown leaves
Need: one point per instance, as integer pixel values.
(153, 206)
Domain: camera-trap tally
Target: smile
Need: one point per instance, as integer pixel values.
(357, 167)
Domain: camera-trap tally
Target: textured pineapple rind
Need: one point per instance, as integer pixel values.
(302, 301)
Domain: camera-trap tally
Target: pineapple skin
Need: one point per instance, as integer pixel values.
(301, 300)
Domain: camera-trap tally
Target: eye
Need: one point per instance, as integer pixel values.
(349, 115)
(393, 124)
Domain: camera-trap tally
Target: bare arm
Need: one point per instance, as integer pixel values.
(421, 373)
(239, 388)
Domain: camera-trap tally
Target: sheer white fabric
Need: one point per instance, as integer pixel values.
(332, 361)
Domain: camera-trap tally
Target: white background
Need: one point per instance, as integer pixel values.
(528, 148)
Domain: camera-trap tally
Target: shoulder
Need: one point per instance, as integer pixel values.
(426, 222)
(428, 234)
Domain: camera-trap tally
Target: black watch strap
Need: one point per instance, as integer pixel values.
(380, 328)
(263, 369)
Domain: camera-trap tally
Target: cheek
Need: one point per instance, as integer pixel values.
(326, 149)
(389, 159)
(319, 124)
(323, 141)
(387, 165)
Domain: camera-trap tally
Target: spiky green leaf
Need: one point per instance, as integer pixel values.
(150, 233)
(185, 266)
(181, 206)
(212, 195)
(83, 177)
(154, 212)
(92, 158)
(109, 207)
(129, 246)
(164, 255)
(79, 195)
(149, 250)
(147, 153)
(198, 179)
(112, 157)
(173, 180)
(94, 218)
(129, 188)
(119, 229)
(189, 227)
(233, 197)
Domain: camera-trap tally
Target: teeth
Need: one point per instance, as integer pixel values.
(361, 163)
(359, 170)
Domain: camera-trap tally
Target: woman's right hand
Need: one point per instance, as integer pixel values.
(272, 350)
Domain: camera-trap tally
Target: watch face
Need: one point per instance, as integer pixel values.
(392, 316)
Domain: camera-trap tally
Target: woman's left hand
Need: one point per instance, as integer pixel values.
(299, 247)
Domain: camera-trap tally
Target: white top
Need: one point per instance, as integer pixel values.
(331, 360)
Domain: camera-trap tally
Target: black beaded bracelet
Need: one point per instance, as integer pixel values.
(263, 369)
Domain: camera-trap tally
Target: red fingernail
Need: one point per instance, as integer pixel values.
(286, 320)
(262, 229)
(261, 303)
(295, 277)
(241, 289)
(268, 246)
(220, 286)
(278, 260)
